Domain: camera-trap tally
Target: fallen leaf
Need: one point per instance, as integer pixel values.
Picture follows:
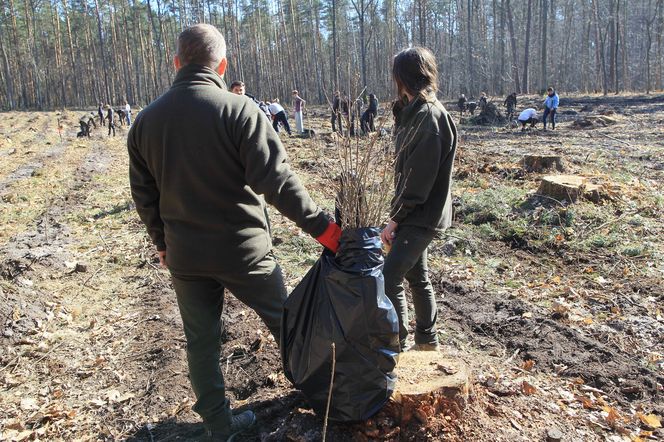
(97, 402)
(113, 395)
(14, 425)
(612, 416)
(23, 435)
(586, 402)
(125, 397)
(29, 404)
(651, 420)
(528, 364)
(528, 389)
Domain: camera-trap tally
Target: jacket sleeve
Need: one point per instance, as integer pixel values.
(267, 172)
(422, 168)
(144, 191)
(556, 101)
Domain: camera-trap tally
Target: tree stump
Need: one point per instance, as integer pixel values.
(593, 121)
(429, 384)
(569, 188)
(539, 163)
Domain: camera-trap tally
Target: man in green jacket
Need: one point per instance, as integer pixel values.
(200, 157)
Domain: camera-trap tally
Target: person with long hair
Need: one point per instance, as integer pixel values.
(425, 145)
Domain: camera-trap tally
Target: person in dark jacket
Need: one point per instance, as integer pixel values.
(483, 102)
(425, 142)
(510, 104)
(200, 158)
(461, 104)
(100, 112)
(369, 115)
(110, 116)
(121, 116)
(335, 119)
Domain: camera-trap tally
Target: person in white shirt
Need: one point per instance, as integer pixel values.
(528, 116)
(278, 116)
(127, 110)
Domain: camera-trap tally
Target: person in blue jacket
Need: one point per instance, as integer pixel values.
(550, 107)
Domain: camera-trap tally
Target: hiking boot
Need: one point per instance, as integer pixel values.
(240, 423)
(425, 347)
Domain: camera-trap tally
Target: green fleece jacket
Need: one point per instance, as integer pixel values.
(199, 159)
(426, 141)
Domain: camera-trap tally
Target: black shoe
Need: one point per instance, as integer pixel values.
(240, 423)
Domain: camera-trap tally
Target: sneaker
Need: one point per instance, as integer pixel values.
(425, 347)
(241, 422)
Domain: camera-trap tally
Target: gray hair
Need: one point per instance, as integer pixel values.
(201, 44)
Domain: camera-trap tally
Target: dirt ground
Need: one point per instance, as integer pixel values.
(558, 308)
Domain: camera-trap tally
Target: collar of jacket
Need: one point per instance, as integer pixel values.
(412, 108)
(196, 73)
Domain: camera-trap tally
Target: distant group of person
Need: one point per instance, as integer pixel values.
(108, 116)
(471, 105)
(274, 111)
(345, 113)
(349, 112)
(527, 117)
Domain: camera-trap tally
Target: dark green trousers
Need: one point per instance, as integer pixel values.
(408, 259)
(201, 300)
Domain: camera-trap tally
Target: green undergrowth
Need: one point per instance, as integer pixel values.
(622, 229)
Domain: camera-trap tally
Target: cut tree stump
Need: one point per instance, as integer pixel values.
(593, 121)
(539, 163)
(569, 188)
(429, 384)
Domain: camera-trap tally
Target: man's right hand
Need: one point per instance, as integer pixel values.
(162, 258)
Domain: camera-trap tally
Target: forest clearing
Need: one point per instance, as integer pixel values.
(557, 308)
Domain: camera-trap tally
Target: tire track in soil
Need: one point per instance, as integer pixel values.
(555, 347)
(44, 242)
(148, 362)
(27, 169)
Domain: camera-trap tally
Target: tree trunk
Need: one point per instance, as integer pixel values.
(515, 58)
(526, 57)
(599, 44)
(501, 87)
(470, 83)
(8, 76)
(103, 54)
(545, 22)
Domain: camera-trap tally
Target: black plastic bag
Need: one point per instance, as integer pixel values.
(342, 300)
